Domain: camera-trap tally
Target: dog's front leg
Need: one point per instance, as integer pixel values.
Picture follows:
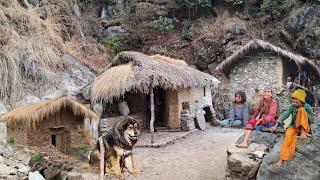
(102, 155)
(115, 165)
(129, 164)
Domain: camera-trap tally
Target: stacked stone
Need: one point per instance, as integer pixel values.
(187, 121)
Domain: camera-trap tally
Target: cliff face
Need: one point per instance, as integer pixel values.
(38, 37)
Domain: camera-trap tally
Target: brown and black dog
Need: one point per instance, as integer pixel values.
(115, 148)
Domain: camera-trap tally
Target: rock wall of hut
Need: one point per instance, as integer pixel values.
(254, 72)
(18, 133)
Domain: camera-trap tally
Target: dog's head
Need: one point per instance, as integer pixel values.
(130, 130)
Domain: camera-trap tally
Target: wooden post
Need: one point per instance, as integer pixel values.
(102, 155)
(152, 115)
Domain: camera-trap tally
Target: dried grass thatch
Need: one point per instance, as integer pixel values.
(266, 46)
(32, 46)
(32, 114)
(133, 71)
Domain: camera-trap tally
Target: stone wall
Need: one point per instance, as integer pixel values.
(254, 72)
(18, 133)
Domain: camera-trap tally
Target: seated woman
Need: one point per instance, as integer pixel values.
(302, 117)
(264, 116)
(239, 113)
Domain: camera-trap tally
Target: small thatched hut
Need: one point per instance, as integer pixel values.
(134, 77)
(59, 121)
(259, 63)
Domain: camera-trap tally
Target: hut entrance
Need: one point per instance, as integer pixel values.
(289, 69)
(159, 107)
(208, 115)
(60, 138)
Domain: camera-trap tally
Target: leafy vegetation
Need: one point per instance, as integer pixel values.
(114, 44)
(235, 2)
(193, 3)
(185, 30)
(36, 157)
(163, 23)
(10, 142)
(273, 7)
(83, 148)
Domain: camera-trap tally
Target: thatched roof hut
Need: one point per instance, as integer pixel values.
(257, 44)
(134, 71)
(32, 114)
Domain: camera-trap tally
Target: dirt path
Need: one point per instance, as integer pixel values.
(201, 155)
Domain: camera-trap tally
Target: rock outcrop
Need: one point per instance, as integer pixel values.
(244, 163)
(304, 165)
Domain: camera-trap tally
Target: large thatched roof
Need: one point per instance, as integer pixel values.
(32, 114)
(133, 71)
(266, 46)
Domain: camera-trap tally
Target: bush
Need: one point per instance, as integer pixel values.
(36, 157)
(83, 149)
(185, 30)
(114, 44)
(272, 7)
(193, 3)
(235, 2)
(10, 142)
(163, 23)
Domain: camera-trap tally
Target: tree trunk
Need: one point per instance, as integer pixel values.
(152, 115)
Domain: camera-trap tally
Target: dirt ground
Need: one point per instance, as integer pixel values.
(201, 155)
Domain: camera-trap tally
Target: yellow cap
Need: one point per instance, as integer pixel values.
(299, 94)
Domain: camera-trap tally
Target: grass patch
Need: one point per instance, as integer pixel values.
(10, 142)
(113, 44)
(36, 157)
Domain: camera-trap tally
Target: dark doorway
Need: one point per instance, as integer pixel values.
(159, 107)
(53, 140)
(208, 116)
(289, 69)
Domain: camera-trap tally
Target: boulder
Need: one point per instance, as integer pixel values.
(309, 42)
(74, 176)
(76, 76)
(51, 172)
(7, 170)
(123, 108)
(304, 165)
(300, 19)
(30, 99)
(24, 169)
(244, 163)
(35, 176)
(3, 108)
(268, 139)
(51, 93)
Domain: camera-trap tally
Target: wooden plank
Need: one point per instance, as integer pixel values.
(152, 115)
